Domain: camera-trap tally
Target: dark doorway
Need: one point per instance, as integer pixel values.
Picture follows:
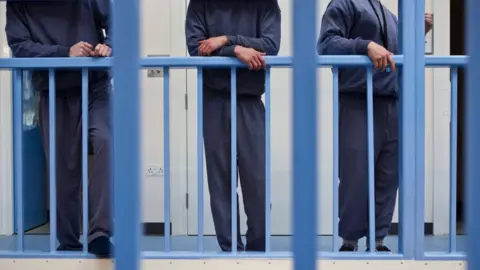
(457, 47)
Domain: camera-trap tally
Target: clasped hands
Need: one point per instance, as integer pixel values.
(85, 49)
(253, 58)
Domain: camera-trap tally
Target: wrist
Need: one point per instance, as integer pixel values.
(362, 46)
(231, 40)
(224, 40)
(237, 49)
(64, 51)
(369, 45)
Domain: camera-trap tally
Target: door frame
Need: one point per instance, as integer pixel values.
(441, 121)
(6, 139)
(179, 189)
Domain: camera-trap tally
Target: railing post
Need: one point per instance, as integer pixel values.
(472, 157)
(18, 156)
(126, 129)
(304, 135)
(419, 89)
(407, 133)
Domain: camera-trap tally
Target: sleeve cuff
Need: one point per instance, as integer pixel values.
(229, 50)
(108, 43)
(63, 51)
(361, 46)
(232, 40)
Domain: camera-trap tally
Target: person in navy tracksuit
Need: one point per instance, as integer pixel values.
(248, 30)
(365, 27)
(71, 29)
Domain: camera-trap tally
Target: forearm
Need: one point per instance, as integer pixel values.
(265, 45)
(337, 45)
(195, 30)
(32, 49)
(226, 51)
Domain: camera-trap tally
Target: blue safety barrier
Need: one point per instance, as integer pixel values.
(273, 62)
(126, 111)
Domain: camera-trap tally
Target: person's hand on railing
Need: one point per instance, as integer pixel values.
(380, 56)
(210, 45)
(254, 59)
(101, 50)
(81, 49)
(428, 22)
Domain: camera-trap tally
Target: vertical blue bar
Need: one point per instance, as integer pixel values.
(453, 159)
(268, 185)
(18, 153)
(335, 160)
(419, 230)
(233, 156)
(371, 164)
(304, 135)
(400, 86)
(472, 135)
(407, 133)
(126, 129)
(400, 26)
(85, 103)
(200, 158)
(166, 154)
(53, 158)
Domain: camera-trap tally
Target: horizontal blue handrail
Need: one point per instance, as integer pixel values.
(193, 62)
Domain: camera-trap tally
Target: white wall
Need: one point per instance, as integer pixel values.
(440, 120)
(162, 35)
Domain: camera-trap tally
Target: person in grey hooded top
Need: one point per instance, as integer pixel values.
(248, 30)
(365, 27)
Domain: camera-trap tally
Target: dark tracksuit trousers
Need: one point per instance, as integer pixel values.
(69, 163)
(251, 166)
(353, 151)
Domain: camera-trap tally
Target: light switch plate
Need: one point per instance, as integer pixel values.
(156, 72)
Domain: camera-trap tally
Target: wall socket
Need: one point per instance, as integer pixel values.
(154, 170)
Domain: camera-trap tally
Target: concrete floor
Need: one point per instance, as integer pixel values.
(38, 240)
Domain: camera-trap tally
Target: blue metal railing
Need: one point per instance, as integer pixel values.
(273, 62)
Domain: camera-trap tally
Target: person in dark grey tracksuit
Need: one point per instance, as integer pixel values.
(248, 30)
(365, 27)
(71, 29)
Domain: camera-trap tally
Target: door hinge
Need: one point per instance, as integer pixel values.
(186, 200)
(186, 101)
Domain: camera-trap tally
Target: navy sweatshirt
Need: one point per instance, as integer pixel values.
(247, 23)
(348, 26)
(50, 28)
